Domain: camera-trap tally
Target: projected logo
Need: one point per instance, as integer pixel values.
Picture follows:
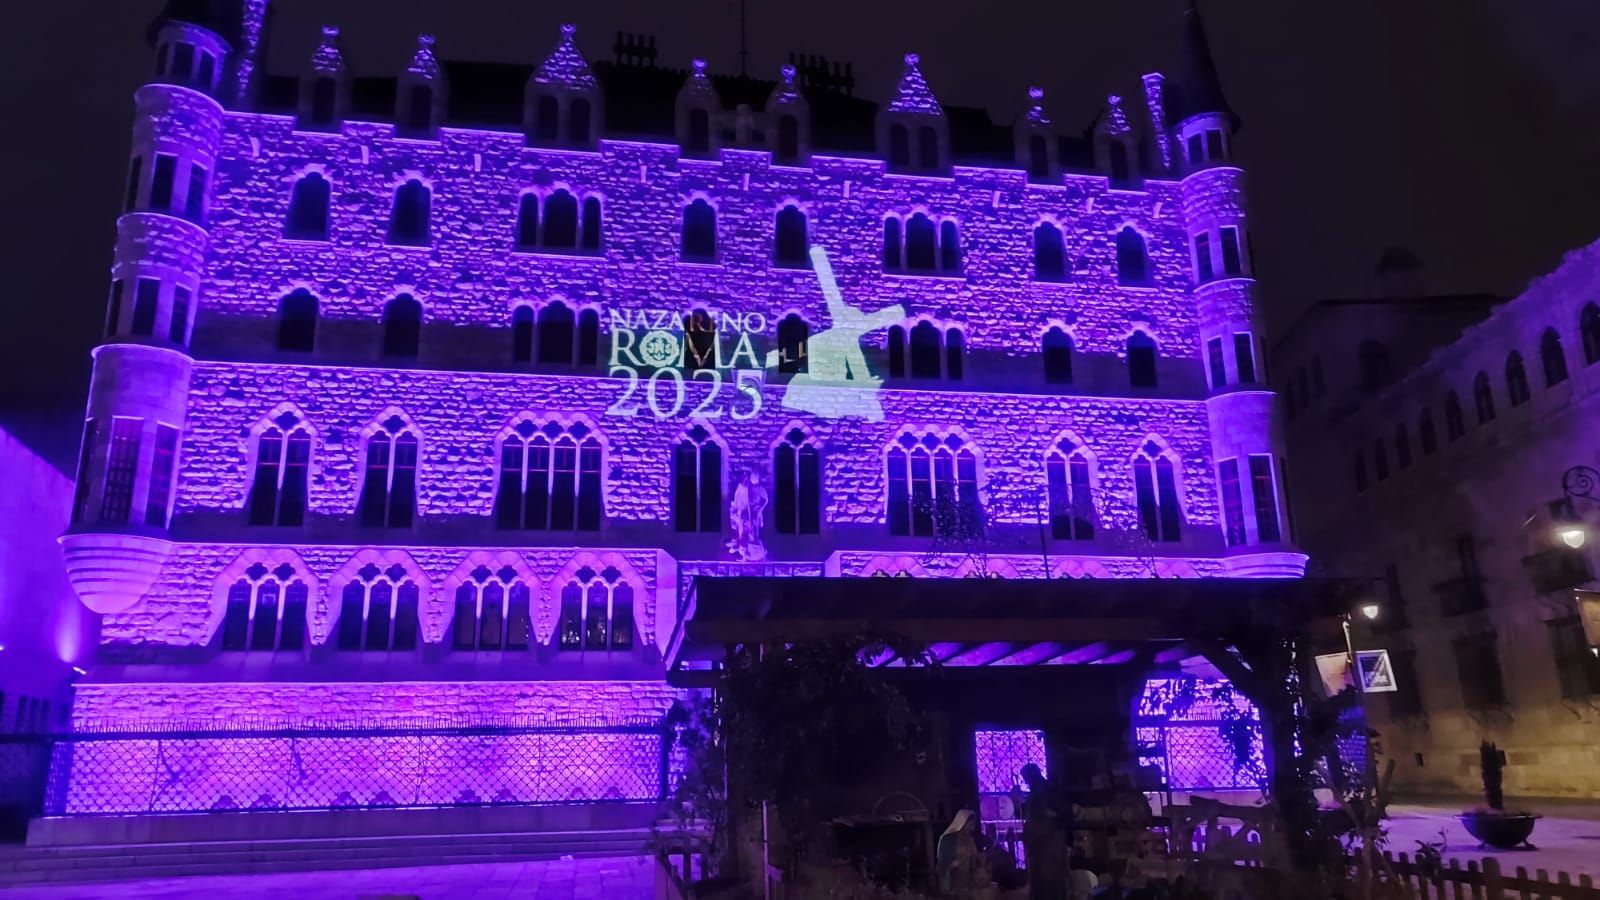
(651, 350)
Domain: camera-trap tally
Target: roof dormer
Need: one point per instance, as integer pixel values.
(563, 106)
(913, 134)
(789, 121)
(697, 109)
(1035, 142)
(325, 86)
(419, 102)
(1114, 149)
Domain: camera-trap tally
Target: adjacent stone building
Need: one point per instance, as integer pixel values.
(1428, 438)
(422, 398)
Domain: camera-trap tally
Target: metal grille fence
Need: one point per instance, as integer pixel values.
(344, 766)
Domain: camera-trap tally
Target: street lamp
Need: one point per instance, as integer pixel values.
(1577, 482)
(1369, 610)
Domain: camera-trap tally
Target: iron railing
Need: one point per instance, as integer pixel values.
(211, 767)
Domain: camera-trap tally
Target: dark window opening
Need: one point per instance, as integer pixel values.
(1057, 357)
(793, 336)
(522, 334)
(1141, 360)
(899, 147)
(1553, 358)
(402, 327)
(928, 146)
(788, 138)
(162, 183)
(1231, 264)
(324, 101)
(1038, 157)
(561, 221)
(408, 223)
(1133, 265)
(1204, 270)
(797, 494)
(699, 232)
(146, 300)
(1049, 253)
(578, 122)
(1244, 358)
(699, 131)
(297, 322)
(308, 209)
(547, 118)
(789, 243)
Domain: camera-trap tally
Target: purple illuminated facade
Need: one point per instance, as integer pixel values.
(414, 410)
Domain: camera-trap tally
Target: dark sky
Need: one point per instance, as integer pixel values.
(1468, 130)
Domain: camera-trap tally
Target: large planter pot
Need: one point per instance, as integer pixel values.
(1499, 830)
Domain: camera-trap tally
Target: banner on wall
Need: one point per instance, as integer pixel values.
(1377, 676)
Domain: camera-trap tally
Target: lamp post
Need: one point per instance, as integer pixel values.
(1369, 611)
(1577, 483)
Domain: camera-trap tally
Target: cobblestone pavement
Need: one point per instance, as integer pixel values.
(623, 878)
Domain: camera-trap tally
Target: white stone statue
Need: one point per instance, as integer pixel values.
(746, 512)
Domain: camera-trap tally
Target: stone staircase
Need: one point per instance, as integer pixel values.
(118, 848)
(120, 862)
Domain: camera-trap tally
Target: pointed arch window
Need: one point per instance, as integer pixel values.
(378, 610)
(1067, 477)
(389, 486)
(528, 222)
(699, 232)
(1426, 436)
(697, 482)
(409, 221)
(1155, 484)
(522, 334)
(1057, 356)
(1049, 253)
(1133, 261)
(1552, 358)
(297, 322)
(492, 611)
(797, 491)
(283, 458)
(308, 209)
(1589, 332)
(793, 336)
(266, 610)
(1141, 360)
(579, 116)
(596, 611)
(402, 327)
(933, 486)
(790, 239)
(1454, 422)
(922, 245)
(557, 333)
(1516, 379)
(933, 352)
(550, 478)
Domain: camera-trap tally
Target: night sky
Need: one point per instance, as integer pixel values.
(1468, 130)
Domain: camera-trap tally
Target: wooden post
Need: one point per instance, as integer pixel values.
(1493, 888)
(1472, 878)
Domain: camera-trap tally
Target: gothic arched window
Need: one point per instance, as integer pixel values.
(895, 343)
(1483, 398)
(790, 239)
(893, 246)
(528, 222)
(1057, 357)
(949, 248)
(697, 482)
(522, 334)
(1049, 253)
(591, 225)
(699, 232)
(1516, 379)
(797, 488)
(492, 611)
(308, 209)
(1156, 493)
(297, 322)
(1454, 425)
(408, 223)
(278, 491)
(1133, 262)
(596, 611)
(1141, 360)
(933, 487)
(1067, 477)
(560, 221)
(556, 333)
(922, 244)
(1589, 331)
(266, 610)
(378, 610)
(1553, 358)
(793, 335)
(389, 485)
(927, 347)
(550, 478)
(402, 327)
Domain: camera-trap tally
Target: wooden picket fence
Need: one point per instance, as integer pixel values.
(1485, 881)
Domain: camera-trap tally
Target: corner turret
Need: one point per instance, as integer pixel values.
(420, 95)
(1205, 122)
(325, 86)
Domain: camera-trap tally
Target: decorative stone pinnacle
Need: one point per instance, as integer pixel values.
(425, 41)
(329, 33)
(1036, 93)
(568, 29)
(699, 66)
(913, 58)
(788, 73)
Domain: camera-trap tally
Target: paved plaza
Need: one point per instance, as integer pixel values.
(622, 878)
(1567, 838)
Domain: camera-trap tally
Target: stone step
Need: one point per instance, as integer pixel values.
(127, 862)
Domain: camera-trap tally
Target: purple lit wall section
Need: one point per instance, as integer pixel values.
(1001, 756)
(1189, 745)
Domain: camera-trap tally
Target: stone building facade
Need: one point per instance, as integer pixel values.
(417, 405)
(1428, 453)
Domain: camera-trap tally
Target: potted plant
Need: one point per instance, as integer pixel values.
(1491, 824)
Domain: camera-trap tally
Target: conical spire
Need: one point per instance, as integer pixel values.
(1199, 86)
(913, 94)
(1115, 121)
(423, 63)
(566, 66)
(327, 58)
(698, 87)
(1035, 114)
(224, 18)
(785, 91)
